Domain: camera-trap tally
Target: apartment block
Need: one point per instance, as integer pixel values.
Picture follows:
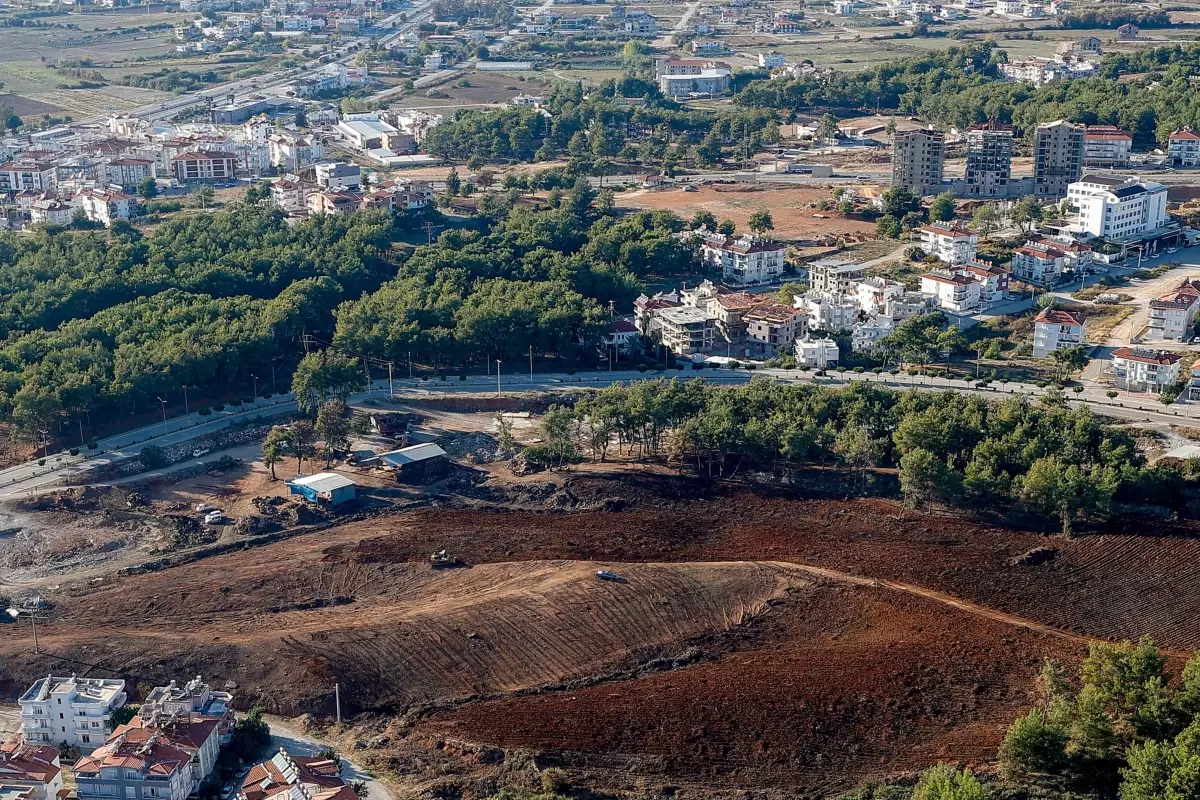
(1183, 148)
(193, 701)
(745, 260)
(948, 242)
(140, 766)
(1173, 314)
(1057, 159)
(1136, 369)
(70, 709)
(833, 276)
(955, 292)
(31, 772)
(917, 160)
(1054, 329)
(1117, 208)
(989, 160)
(1106, 147)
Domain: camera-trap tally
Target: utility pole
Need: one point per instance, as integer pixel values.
(410, 363)
(254, 378)
(531, 363)
(15, 613)
(337, 702)
(185, 400)
(81, 441)
(164, 410)
(391, 389)
(497, 377)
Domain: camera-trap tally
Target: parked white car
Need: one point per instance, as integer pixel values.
(214, 518)
(200, 452)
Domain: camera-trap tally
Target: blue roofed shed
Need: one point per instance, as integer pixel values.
(324, 487)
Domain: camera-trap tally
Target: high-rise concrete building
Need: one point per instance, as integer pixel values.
(1057, 158)
(917, 158)
(989, 160)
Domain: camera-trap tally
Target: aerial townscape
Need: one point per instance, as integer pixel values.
(589, 400)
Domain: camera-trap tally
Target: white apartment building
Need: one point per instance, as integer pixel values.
(105, 207)
(833, 276)
(910, 304)
(1106, 146)
(339, 177)
(1173, 315)
(72, 710)
(954, 291)
(51, 211)
(26, 176)
(293, 153)
(681, 77)
(1118, 208)
(865, 335)
(128, 172)
(875, 293)
(819, 353)
(1140, 370)
(950, 243)
(1044, 262)
(771, 60)
(1183, 148)
(744, 261)
(1054, 330)
(993, 282)
(828, 312)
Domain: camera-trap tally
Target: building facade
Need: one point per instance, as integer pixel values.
(1173, 314)
(989, 160)
(950, 243)
(1058, 158)
(1141, 370)
(1116, 208)
(1183, 148)
(745, 260)
(1106, 147)
(72, 710)
(918, 159)
(1054, 330)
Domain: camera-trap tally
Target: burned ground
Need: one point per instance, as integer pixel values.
(757, 639)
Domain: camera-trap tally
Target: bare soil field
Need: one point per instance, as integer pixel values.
(791, 207)
(754, 639)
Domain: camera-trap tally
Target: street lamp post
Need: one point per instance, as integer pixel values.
(15, 613)
(497, 377)
(164, 409)
(254, 378)
(186, 410)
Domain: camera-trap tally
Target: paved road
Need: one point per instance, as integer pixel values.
(296, 742)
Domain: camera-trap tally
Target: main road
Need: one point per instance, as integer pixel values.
(32, 476)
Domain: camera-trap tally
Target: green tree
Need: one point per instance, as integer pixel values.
(727, 227)
(323, 375)
(333, 427)
(945, 782)
(827, 129)
(1066, 491)
(1027, 213)
(1069, 360)
(943, 207)
(152, 456)
(453, 183)
(122, 715)
(702, 219)
(202, 197)
(888, 227)
(923, 478)
(277, 443)
(761, 222)
(1033, 747)
(302, 436)
(898, 201)
(986, 219)
(147, 188)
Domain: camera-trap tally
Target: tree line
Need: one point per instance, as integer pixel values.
(1048, 460)
(963, 86)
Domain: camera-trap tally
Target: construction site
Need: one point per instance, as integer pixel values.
(651, 633)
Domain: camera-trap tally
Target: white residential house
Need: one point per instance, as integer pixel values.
(291, 153)
(771, 60)
(338, 176)
(875, 293)
(950, 243)
(1183, 148)
(1107, 146)
(72, 710)
(828, 312)
(993, 282)
(193, 701)
(818, 353)
(1044, 262)
(1173, 315)
(622, 338)
(1140, 370)
(105, 207)
(51, 211)
(1054, 329)
(1118, 208)
(745, 260)
(954, 291)
(128, 172)
(865, 335)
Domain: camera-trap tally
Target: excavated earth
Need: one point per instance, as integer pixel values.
(753, 640)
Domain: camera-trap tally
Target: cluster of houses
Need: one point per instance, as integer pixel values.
(164, 752)
(1073, 59)
(274, 19)
(95, 170)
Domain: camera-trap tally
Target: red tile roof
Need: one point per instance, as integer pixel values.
(1056, 316)
(28, 763)
(1146, 356)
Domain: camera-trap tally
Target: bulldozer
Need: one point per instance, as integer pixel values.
(443, 560)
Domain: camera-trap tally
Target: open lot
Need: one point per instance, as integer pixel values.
(792, 209)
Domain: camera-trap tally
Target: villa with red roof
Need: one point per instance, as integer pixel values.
(1183, 148)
